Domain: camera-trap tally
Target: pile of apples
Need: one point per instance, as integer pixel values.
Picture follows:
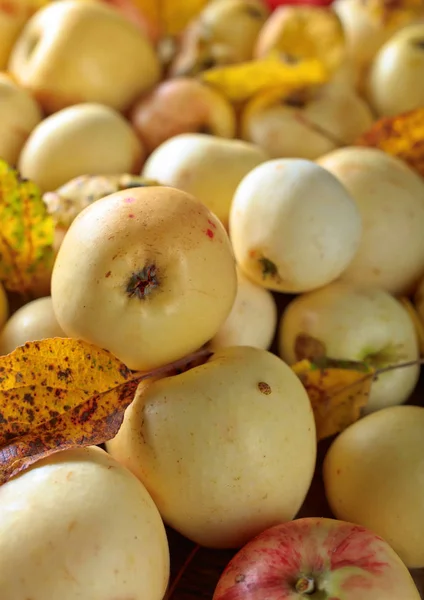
(184, 220)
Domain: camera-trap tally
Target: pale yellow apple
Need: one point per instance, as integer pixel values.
(83, 527)
(86, 139)
(182, 105)
(19, 115)
(72, 51)
(305, 124)
(368, 24)
(349, 322)
(35, 320)
(147, 273)
(252, 320)
(374, 476)
(293, 227)
(226, 449)
(390, 198)
(303, 32)
(225, 32)
(206, 166)
(396, 78)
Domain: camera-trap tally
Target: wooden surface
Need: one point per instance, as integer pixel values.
(197, 580)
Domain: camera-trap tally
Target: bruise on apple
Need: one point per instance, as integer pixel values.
(264, 388)
(307, 347)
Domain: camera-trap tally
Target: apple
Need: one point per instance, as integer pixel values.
(224, 32)
(307, 123)
(71, 52)
(374, 476)
(293, 227)
(83, 139)
(182, 105)
(390, 198)
(226, 449)
(348, 322)
(303, 32)
(317, 558)
(83, 527)
(13, 16)
(396, 78)
(147, 273)
(252, 320)
(19, 115)
(206, 166)
(368, 24)
(34, 320)
(65, 203)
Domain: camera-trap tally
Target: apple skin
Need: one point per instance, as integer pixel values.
(292, 227)
(19, 115)
(83, 139)
(182, 105)
(72, 51)
(396, 78)
(342, 561)
(355, 323)
(305, 125)
(374, 476)
(390, 198)
(13, 16)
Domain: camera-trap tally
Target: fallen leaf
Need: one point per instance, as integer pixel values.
(401, 136)
(60, 393)
(26, 234)
(338, 390)
(242, 81)
(418, 325)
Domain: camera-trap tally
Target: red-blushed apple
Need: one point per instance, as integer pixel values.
(319, 559)
(182, 105)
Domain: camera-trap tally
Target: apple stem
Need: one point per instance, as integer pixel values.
(305, 585)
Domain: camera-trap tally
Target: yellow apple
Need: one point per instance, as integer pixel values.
(304, 32)
(349, 322)
(19, 115)
(374, 476)
(293, 228)
(390, 198)
(182, 105)
(305, 124)
(147, 273)
(71, 52)
(83, 139)
(225, 32)
(226, 449)
(396, 78)
(252, 320)
(368, 24)
(35, 320)
(206, 166)
(83, 527)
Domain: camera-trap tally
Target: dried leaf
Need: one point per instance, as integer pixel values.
(338, 391)
(419, 327)
(59, 393)
(401, 136)
(240, 82)
(26, 234)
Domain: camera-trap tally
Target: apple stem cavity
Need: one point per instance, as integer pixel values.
(305, 585)
(142, 283)
(268, 268)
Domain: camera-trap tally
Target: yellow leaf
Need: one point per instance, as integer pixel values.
(401, 136)
(242, 81)
(419, 327)
(59, 393)
(338, 390)
(26, 233)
